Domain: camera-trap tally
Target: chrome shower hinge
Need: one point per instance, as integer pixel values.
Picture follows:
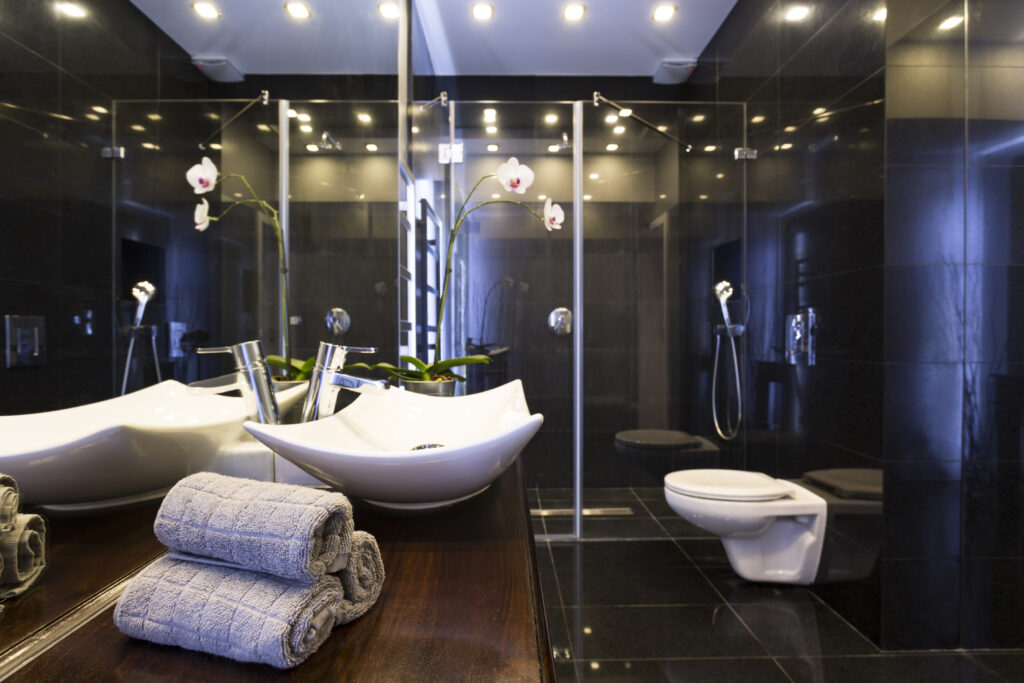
(449, 153)
(112, 152)
(741, 153)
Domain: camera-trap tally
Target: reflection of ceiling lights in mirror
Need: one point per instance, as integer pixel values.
(611, 118)
(216, 146)
(789, 129)
(306, 128)
(495, 196)
(482, 11)
(492, 148)
(664, 13)
(757, 119)
(100, 110)
(363, 117)
(719, 175)
(415, 129)
(880, 14)
(491, 129)
(297, 10)
(662, 196)
(542, 197)
(710, 148)
(551, 118)
(207, 10)
(819, 110)
(305, 118)
(292, 113)
(150, 145)
(951, 22)
(138, 128)
(389, 10)
(553, 148)
(92, 117)
(619, 130)
(311, 147)
(662, 129)
(587, 197)
(786, 145)
(574, 12)
(153, 117)
(594, 176)
(263, 127)
(697, 118)
(625, 112)
(490, 115)
(611, 147)
(703, 197)
(370, 147)
(70, 9)
(797, 12)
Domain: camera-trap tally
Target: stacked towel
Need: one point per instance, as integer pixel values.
(22, 543)
(258, 571)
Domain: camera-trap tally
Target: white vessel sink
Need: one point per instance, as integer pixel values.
(125, 448)
(369, 449)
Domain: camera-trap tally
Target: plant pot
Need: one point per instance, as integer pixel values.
(445, 387)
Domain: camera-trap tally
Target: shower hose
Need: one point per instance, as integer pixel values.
(731, 430)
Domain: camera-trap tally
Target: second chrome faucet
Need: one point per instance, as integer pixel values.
(327, 379)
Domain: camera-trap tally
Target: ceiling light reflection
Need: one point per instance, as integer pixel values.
(951, 22)
(207, 10)
(72, 10)
(389, 10)
(797, 12)
(298, 10)
(664, 13)
(574, 12)
(482, 11)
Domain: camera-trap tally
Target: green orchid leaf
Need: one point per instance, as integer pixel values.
(279, 362)
(307, 367)
(420, 365)
(438, 368)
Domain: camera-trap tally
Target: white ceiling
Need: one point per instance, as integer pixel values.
(525, 37)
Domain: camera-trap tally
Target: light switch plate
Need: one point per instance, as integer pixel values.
(25, 341)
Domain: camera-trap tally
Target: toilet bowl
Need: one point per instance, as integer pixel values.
(773, 530)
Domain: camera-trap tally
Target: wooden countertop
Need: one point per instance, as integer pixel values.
(461, 602)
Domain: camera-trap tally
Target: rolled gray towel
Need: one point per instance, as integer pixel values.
(294, 532)
(23, 550)
(244, 615)
(8, 502)
(362, 579)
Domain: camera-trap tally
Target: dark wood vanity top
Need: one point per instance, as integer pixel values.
(461, 602)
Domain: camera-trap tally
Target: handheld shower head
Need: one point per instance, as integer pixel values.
(723, 290)
(328, 142)
(143, 292)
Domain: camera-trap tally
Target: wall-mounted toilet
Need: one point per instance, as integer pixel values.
(774, 530)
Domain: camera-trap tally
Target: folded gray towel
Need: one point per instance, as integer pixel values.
(8, 502)
(244, 615)
(362, 579)
(294, 532)
(23, 550)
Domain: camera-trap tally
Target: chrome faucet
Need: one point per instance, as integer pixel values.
(327, 379)
(253, 378)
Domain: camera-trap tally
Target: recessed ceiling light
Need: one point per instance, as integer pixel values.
(757, 119)
(710, 148)
(495, 196)
(483, 11)
(697, 118)
(703, 197)
(491, 129)
(662, 196)
(662, 128)
(389, 10)
(304, 117)
(789, 129)
(216, 145)
(292, 113)
(490, 115)
(207, 10)
(819, 110)
(71, 9)
(553, 148)
(150, 145)
(797, 12)
(306, 128)
(138, 128)
(664, 12)
(100, 110)
(619, 130)
(153, 117)
(213, 115)
(551, 118)
(415, 129)
(719, 175)
(298, 10)
(492, 147)
(370, 147)
(574, 12)
(587, 197)
(364, 117)
(542, 197)
(951, 22)
(92, 117)
(625, 112)
(311, 147)
(786, 145)
(611, 118)
(594, 176)
(263, 127)
(880, 14)
(611, 147)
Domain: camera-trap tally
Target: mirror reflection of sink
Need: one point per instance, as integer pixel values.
(124, 449)
(404, 450)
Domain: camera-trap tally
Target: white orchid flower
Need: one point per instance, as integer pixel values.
(202, 217)
(515, 177)
(553, 216)
(203, 176)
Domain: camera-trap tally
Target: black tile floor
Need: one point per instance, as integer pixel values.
(649, 597)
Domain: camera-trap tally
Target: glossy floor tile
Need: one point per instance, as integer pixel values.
(648, 597)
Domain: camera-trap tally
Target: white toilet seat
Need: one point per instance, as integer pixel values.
(735, 485)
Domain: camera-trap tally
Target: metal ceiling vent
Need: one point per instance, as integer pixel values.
(673, 71)
(218, 69)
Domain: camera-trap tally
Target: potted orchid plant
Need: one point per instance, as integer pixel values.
(425, 377)
(204, 177)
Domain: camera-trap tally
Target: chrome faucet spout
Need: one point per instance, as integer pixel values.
(327, 380)
(253, 377)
